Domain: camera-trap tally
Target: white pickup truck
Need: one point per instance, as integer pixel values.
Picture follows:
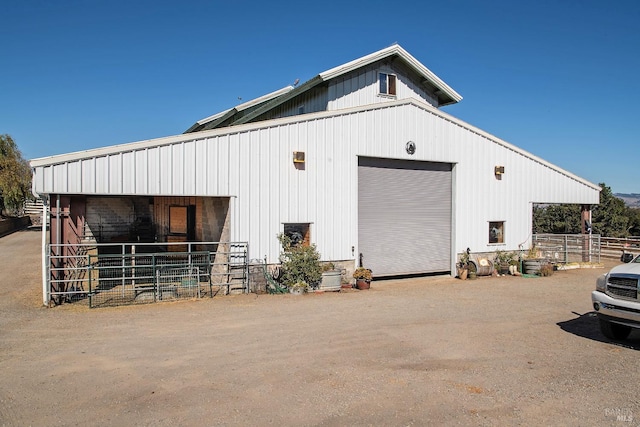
(616, 299)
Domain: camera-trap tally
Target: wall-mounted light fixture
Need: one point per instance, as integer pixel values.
(498, 171)
(298, 157)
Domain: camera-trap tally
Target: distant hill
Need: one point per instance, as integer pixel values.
(632, 200)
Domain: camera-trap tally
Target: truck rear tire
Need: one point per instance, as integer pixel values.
(614, 331)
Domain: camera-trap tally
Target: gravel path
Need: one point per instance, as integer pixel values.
(500, 351)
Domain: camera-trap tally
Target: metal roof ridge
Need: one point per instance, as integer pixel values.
(247, 104)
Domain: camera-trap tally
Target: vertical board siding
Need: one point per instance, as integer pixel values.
(153, 163)
(128, 172)
(200, 171)
(89, 176)
(361, 88)
(141, 173)
(254, 166)
(189, 165)
(74, 177)
(313, 101)
(114, 173)
(102, 175)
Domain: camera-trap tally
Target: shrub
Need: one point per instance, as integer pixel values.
(299, 263)
(546, 270)
(502, 257)
(328, 266)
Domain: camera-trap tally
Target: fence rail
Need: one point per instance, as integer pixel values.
(613, 247)
(565, 248)
(126, 273)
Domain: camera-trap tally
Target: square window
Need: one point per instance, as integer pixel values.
(298, 233)
(387, 84)
(496, 232)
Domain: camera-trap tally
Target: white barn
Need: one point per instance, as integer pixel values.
(359, 159)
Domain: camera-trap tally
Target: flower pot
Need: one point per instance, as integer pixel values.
(532, 266)
(473, 271)
(363, 284)
(331, 280)
(503, 268)
(296, 291)
(462, 273)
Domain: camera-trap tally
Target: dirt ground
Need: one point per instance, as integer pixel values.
(500, 351)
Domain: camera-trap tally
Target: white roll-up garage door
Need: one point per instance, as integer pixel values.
(404, 216)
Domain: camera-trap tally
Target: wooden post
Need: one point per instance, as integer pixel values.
(585, 217)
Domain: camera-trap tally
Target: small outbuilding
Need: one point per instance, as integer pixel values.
(360, 160)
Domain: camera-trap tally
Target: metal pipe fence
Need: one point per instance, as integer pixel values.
(565, 248)
(128, 273)
(613, 247)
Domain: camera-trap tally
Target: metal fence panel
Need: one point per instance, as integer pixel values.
(117, 274)
(566, 248)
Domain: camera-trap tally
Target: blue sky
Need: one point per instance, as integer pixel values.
(560, 79)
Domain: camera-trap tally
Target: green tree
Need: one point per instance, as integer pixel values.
(633, 229)
(610, 217)
(557, 219)
(15, 176)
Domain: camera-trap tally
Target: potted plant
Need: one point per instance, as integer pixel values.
(463, 265)
(345, 283)
(502, 261)
(363, 278)
(298, 288)
(331, 277)
(532, 261)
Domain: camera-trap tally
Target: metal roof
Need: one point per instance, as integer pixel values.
(141, 145)
(446, 95)
(211, 121)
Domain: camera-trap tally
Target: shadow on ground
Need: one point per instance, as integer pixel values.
(586, 326)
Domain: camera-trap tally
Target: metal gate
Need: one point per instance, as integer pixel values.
(118, 274)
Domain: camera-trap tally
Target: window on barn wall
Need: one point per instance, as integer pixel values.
(299, 233)
(496, 232)
(387, 84)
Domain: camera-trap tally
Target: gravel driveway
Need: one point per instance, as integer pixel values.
(497, 351)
